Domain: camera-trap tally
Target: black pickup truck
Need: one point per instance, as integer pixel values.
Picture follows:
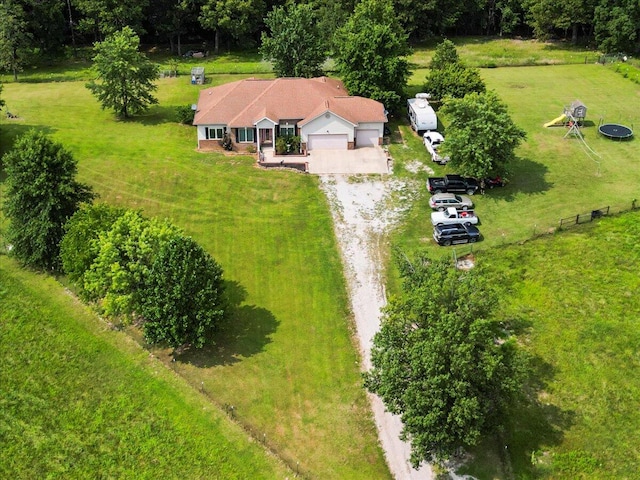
(452, 184)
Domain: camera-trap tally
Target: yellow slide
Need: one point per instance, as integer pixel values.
(556, 121)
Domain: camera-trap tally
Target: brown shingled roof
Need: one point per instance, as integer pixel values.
(243, 103)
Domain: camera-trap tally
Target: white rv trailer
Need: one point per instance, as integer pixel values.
(421, 114)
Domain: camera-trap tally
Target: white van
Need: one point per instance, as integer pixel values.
(421, 114)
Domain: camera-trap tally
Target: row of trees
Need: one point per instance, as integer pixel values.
(130, 267)
(33, 27)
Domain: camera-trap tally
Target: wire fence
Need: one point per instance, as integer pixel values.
(462, 255)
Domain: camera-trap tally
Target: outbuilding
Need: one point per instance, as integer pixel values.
(197, 76)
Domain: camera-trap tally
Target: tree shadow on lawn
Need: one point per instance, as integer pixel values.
(527, 177)
(535, 424)
(532, 423)
(156, 115)
(12, 129)
(245, 332)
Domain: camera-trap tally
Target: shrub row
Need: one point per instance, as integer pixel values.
(147, 270)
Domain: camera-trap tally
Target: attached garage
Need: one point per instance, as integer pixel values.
(328, 142)
(366, 138)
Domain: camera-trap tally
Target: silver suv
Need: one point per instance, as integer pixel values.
(442, 201)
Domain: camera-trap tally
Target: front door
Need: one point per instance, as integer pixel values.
(266, 136)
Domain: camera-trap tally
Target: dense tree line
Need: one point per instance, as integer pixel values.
(32, 28)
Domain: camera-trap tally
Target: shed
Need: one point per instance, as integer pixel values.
(197, 76)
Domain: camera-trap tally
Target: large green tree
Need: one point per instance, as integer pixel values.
(15, 38)
(441, 361)
(547, 16)
(234, 19)
(125, 76)
(481, 136)
(171, 19)
(295, 44)
(617, 26)
(449, 77)
(105, 17)
(42, 193)
(182, 301)
(370, 53)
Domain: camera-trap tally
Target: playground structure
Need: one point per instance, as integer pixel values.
(572, 115)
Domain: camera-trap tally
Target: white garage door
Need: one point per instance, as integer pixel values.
(366, 138)
(327, 142)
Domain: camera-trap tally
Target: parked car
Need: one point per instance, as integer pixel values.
(451, 215)
(442, 201)
(432, 141)
(452, 183)
(455, 233)
(195, 54)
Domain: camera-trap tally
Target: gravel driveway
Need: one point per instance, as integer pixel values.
(364, 210)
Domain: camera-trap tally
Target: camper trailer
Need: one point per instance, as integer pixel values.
(421, 114)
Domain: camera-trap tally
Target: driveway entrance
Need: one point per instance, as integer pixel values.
(359, 161)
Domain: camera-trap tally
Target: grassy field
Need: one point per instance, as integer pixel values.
(574, 297)
(81, 401)
(285, 361)
(492, 52)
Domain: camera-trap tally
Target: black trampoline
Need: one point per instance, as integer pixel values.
(615, 131)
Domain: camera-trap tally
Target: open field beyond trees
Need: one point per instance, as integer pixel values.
(286, 360)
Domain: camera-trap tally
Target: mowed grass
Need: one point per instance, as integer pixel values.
(507, 52)
(81, 401)
(574, 296)
(285, 360)
(553, 177)
(571, 294)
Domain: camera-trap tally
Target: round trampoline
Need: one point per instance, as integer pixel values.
(615, 131)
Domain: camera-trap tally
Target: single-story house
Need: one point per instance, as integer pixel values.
(257, 111)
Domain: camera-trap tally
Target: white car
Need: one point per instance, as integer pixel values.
(451, 215)
(432, 141)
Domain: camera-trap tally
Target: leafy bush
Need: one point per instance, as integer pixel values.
(125, 255)
(288, 144)
(226, 142)
(185, 114)
(81, 242)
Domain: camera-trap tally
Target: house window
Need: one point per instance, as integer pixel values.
(214, 133)
(245, 135)
(288, 131)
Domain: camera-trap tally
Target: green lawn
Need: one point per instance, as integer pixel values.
(554, 177)
(81, 401)
(285, 360)
(574, 297)
(507, 52)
